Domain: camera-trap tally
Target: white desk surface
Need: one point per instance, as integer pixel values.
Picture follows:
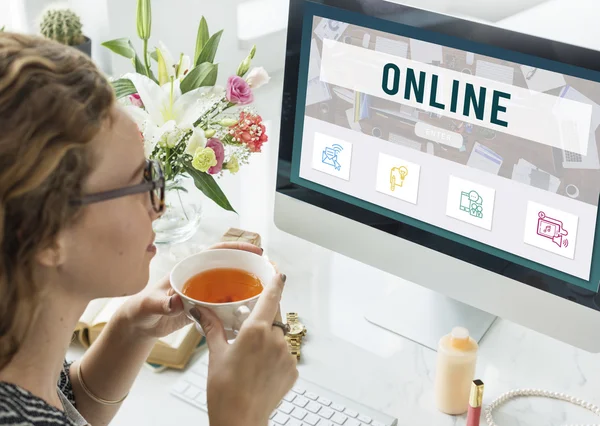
(353, 357)
(568, 21)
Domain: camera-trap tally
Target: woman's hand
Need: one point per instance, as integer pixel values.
(248, 378)
(157, 311)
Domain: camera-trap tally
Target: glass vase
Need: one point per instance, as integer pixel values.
(183, 211)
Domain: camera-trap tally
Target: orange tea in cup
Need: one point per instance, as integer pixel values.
(222, 285)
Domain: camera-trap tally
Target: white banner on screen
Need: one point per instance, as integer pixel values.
(540, 117)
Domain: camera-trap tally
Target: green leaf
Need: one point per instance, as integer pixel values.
(154, 56)
(139, 66)
(177, 188)
(210, 49)
(124, 47)
(121, 46)
(201, 39)
(209, 187)
(123, 87)
(203, 75)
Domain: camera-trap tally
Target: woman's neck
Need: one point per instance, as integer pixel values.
(37, 365)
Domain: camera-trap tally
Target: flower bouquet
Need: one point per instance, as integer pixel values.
(192, 126)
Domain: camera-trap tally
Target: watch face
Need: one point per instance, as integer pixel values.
(296, 328)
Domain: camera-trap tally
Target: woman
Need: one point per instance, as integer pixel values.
(63, 141)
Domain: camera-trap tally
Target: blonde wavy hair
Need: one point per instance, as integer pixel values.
(53, 101)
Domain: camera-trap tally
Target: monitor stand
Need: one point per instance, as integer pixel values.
(424, 316)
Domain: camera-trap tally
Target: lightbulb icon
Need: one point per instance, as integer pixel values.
(403, 173)
(397, 177)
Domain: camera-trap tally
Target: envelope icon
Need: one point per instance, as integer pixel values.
(330, 156)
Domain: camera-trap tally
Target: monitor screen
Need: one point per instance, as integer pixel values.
(489, 149)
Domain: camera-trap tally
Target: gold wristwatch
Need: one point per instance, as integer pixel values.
(296, 333)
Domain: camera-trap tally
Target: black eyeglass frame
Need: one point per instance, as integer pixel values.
(149, 185)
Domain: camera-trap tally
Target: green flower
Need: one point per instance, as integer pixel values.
(233, 165)
(204, 159)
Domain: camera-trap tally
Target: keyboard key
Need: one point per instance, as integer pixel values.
(313, 407)
(324, 401)
(365, 419)
(299, 413)
(338, 407)
(324, 422)
(294, 422)
(339, 419)
(272, 415)
(352, 422)
(326, 413)
(286, 407)
(180, 387)
(312, 396)
(289, 397)
(350, 413)
(281, 418)
(192, 392)
(300, 401)
(299, 391)
(311, 419)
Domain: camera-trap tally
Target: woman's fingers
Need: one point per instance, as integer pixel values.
(267, 305)
(238, 245)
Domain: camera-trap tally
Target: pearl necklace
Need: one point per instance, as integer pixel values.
(537, 392)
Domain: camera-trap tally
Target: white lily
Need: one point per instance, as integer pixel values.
(166, 108)
(172, 69)
(165, 59)
(183, 66)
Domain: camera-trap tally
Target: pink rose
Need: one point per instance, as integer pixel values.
(238, 91)
(216, 145)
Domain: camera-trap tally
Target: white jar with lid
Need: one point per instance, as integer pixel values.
(455, 371)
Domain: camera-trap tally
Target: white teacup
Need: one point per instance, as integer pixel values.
(232, 314)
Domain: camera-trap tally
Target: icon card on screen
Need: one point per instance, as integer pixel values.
(470, 202)
(332, 156)
(398, 178)
(551, 229)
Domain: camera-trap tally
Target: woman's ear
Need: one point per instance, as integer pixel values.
(53, 255)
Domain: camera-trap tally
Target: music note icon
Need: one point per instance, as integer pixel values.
(547, 229)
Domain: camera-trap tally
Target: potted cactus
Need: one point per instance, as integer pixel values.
(64, 26)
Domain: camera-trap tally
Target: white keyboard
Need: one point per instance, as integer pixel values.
(307, 404)
(496, 72)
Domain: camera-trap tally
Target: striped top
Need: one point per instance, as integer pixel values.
(19, 407)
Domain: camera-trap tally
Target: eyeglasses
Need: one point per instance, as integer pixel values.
(154, 183)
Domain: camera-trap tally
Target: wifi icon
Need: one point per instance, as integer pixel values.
(337, 148)
(565, 243)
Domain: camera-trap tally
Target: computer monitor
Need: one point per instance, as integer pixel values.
(456, 155)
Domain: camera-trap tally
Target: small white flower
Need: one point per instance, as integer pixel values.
(257, 77)
(197, 140)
